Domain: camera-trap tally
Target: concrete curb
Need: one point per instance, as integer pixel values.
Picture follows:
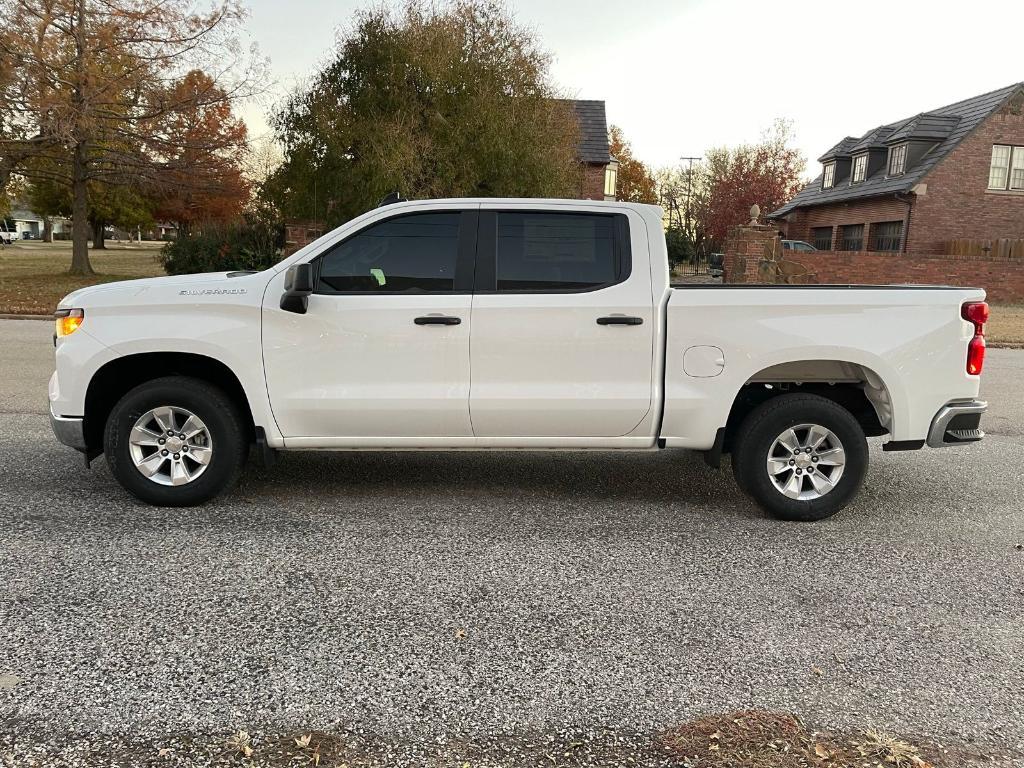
(25, 317)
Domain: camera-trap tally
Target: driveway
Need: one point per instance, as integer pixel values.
(426, 598)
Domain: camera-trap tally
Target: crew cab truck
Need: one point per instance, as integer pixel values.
(510, 324)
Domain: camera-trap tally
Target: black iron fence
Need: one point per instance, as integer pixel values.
(702, 264)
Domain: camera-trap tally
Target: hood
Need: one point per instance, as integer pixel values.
(210, 283)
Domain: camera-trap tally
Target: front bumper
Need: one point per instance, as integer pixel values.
(957, 424)
(69, 431)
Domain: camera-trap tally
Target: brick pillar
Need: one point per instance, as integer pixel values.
(745, 247)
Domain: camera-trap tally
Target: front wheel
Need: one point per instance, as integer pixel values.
(801, 457)
(175, 441)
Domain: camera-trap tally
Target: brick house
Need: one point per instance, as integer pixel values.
(956, 172)
(599, 167)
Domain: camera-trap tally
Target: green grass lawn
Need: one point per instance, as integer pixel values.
(33, 276)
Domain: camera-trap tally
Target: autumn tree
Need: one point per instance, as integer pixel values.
(634, 182)
(203, 147)
(82, 83)
(435, 100)
(767, 173)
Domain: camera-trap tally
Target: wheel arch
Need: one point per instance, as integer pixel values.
(119, 376)
(856, 387)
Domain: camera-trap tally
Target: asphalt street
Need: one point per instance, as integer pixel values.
(424, 597)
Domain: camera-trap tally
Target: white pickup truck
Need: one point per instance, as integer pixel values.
(510, 324)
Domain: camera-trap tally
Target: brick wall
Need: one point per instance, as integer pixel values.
(747, 246)
(592, 185)
(1002, 279)
(298, 234)
(957, 203)
(867, 212)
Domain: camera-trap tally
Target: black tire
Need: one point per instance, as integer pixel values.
(759, 431)
(222, 419)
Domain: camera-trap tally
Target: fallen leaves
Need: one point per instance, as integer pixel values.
(240, 742)
(761, 739)
(888, 748)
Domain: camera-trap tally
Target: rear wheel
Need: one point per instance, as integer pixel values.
(801, 457)
(175, 442)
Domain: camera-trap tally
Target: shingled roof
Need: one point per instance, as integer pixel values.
(947, 125)
(593, 146)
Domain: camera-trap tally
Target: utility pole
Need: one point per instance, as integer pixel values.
(689, 185)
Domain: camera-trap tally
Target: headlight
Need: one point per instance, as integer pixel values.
(68, 321)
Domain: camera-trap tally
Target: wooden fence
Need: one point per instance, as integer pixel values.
(994, 249)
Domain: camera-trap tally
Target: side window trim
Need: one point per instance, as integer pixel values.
(465, 264)
(487, 252)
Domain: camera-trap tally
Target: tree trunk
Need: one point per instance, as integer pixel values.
(99, 236)
(79, 215)
(47, 229)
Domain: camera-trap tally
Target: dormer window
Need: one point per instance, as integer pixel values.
(828, 178)
(898, 160)
(860, 169)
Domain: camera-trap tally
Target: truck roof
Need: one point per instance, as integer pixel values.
(553, 202)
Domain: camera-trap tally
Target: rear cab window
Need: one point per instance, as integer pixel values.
(551, 252)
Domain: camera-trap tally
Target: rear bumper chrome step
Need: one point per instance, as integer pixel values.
(957, 424)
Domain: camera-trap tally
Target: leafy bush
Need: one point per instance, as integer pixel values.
(251, 243)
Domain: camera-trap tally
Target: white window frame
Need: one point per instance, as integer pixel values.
(1014, 162)
(861, 159)
(611, 178)
(828, 176)
(1016, 167)
(900, 151)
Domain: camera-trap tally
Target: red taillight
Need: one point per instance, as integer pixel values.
(976, 355)
(977, 313)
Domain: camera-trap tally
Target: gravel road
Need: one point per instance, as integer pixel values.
(425, 598)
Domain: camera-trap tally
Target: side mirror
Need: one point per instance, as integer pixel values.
(298, 284)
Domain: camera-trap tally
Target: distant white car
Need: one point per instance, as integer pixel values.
(511, 324)
(797, 245)
(7, 237)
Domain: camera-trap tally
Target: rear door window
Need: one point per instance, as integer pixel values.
(545, 252)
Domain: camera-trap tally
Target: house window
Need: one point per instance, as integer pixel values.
(828, 179)
(898, 160)
(611, 176)
(851, 237)
(999, 170)
(822, 237)
(888, 235)
(1007, 168)
(860, 168)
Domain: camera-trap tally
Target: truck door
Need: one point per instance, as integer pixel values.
(563, 332)
(383, 349)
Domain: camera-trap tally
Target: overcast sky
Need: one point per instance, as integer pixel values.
(681, 76)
